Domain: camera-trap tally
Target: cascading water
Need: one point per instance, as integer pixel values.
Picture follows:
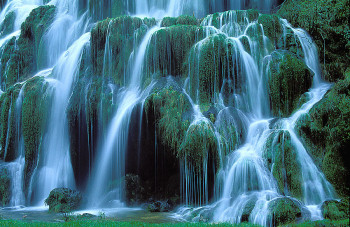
(114, 147)
(233, 142)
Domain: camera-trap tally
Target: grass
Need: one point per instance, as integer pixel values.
(112, 223)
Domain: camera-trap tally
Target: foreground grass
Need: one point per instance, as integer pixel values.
(114, 223)
(78, 223)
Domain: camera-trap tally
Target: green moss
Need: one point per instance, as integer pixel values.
(199, 145)
(283, 211)
(36, 103)
(169, 107)
(7, 26)
(289, 78)
(252, 14)
(326, 133)
(8, 124)
(63, 200)
(169, 48)
(5, 184)
(168, 21)
(282, 160)
(325, 21)
(334, 211)
(20, 58)
(123, 34)
(209, 63)
(187, 20)
(272, 26)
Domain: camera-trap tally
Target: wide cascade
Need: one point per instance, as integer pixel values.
(155, 103)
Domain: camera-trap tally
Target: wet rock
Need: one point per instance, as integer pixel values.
(158, 206)
(63, 200)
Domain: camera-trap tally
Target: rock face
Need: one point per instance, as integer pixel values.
(63, 200)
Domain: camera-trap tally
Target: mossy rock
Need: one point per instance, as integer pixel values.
(282, 160)
(7, 26)
(272, 26)
(187, 20)
(335, 210)
(170, 109)
(200, 145)
(169, 48)
(123, 33)
(20, 59)
(284, 211)
(289, 79)
(5, 187)
(63, 200)
(168, 21)
(9, 123)
(325, 22)
(326, 134)
(210, 61)
(35, 107)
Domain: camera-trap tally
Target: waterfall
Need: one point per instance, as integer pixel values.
(114, 147)
(227, 161)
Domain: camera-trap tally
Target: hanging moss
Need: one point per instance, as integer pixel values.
(168, 21)
(5, 187)
(19, 61)
(36, 103)
(289, 78)
(283, 211)
(8, 124)
(281, 158)
(325, 21)
(187, 20)
(7, 26)
(326, 133)
(169, 108)
(272, 26)
(199, 145)
(123, 34)
(210, 61)
(169, 48)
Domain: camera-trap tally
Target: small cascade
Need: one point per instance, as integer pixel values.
(104, 182)
(55, 168)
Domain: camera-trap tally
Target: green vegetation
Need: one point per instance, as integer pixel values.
(122, 33)
(7, 26)
(5, 187)
(199, 145)
(272, 26)
(20, 58)
(284, 211)
(36, 103)
(63, 200)
(116, 223)
(326, 134)
(325, 21)
(168, 108)
(209, 63)
(281, 158)
(289, 78)
(169, 48)
(8, 124)
(335, 210)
